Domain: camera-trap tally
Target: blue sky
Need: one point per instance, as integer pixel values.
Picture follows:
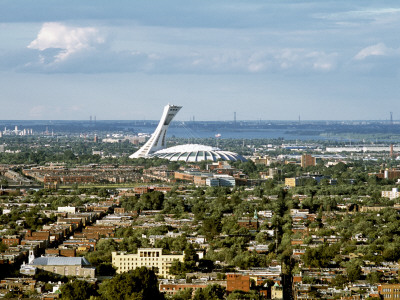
(266, 60)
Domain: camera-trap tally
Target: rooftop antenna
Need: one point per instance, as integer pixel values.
(391, 118)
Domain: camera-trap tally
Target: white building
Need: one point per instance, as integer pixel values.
(151, 258)
(221, 180)
(67, 209)
(393, 194)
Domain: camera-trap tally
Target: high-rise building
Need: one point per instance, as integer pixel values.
(307, 160)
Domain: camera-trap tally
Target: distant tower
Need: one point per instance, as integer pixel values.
(299, 119)
(391, 151)
(391, 118)
(157, 139)
(96, 139)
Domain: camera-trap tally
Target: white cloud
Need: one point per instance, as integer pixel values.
(77, 49)
(68, 39)
(322, 61)
(368, 13)
(374, 50)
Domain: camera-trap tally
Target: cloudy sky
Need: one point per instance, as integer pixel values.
(269, 60)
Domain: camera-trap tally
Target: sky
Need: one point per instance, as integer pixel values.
(264, 60)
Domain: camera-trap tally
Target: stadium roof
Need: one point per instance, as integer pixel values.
(196, 153)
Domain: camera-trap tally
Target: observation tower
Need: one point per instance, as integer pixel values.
(157, 139)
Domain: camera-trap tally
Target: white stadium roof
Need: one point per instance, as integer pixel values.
(196, 153)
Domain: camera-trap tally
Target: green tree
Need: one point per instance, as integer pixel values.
(354, 272)
(78, 290)
(240, 295)
(69, 155)
(105, 269)
(183, 295)
(3, 247)
(150, 201)
(211, 292)
(4, 183)
(211, 227)
(140, 283)
(374, 277)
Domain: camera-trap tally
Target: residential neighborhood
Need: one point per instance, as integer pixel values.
(284, 224)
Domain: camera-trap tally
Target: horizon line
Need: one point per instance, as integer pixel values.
(199, 121)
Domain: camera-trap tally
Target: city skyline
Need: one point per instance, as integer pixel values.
(322, 60)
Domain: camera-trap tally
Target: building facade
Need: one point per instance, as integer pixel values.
(66, 266)
(236, 281)
(152, 258)
(307, 160)
(393, 194)
(389, 291)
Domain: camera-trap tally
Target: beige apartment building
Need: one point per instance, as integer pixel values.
(292, 182)
(145, 257)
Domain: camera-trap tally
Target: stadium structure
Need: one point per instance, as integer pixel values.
(156, 145)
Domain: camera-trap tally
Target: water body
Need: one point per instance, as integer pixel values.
(240, 134)
(286, 130)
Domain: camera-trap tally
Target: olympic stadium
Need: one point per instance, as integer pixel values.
(156, 145)
(195, 153)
